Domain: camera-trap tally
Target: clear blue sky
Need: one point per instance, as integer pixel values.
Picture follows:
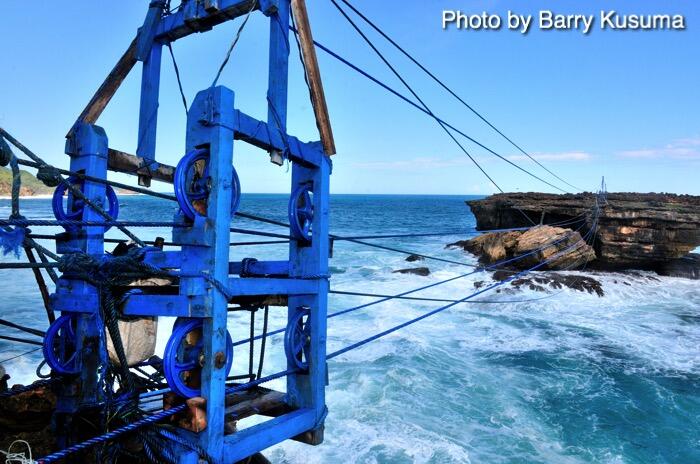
(621, 104)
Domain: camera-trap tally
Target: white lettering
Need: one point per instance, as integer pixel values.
(448, 16)
(520, 22)
(475, 21)
(546, 21)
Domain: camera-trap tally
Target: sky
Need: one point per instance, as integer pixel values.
(619, 104)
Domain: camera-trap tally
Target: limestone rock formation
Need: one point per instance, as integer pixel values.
(687, 267)
(557, 247)
(633, 230)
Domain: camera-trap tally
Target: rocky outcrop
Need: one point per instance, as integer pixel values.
(556, 247)
(687, 267)
(632, 231)
(541, 281)
(421, 271)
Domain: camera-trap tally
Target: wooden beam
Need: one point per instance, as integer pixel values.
(120, 161)
(109, 87)
(313, 73)
(256, 401)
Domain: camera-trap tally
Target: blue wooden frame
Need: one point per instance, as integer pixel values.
(215, 123)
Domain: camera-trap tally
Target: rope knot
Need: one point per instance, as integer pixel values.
(79, 265)
(49, 175)
(246, 265)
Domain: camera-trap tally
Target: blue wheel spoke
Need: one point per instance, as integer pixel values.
(188, 366)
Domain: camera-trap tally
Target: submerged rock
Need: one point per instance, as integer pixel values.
(421, 271)
(634, 230)
(566, 251)
(413, 258)
(541, 281)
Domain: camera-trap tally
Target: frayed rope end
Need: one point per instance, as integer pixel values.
(11, 240)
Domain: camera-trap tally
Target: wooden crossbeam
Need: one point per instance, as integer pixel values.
(120, 161)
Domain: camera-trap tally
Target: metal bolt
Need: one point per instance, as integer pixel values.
(219, 360)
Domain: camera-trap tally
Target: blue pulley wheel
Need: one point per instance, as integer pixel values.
(297, 339)
(182, 359)
(193, 184)
(301, 212)
(60, 345)
(76, 206)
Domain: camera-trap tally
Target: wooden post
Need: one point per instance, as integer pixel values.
(313, 73)
(109, 87)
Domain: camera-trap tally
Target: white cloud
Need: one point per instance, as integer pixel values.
(688, 148)
(563, 156)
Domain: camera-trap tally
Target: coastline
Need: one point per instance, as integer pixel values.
(49, 196)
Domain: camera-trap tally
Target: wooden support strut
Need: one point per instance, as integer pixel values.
(109, 87)
(313, 73)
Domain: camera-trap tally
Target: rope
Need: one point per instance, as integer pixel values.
(50, 176)
(99, 180)
(438, 300)
(2, 361)
(444, 300)
(450, 305)
(19, 458)
(39, 333)
(442, 125)
(157, 417)
(450, 91)
(425, 287)
(20, 340)
(414, 104)
(233, 44)
(177, 75)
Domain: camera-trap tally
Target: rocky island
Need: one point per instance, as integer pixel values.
(632, 231)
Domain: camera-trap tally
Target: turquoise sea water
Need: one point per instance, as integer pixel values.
(573, 378)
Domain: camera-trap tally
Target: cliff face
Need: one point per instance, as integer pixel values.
(30, 185)
(634, 230)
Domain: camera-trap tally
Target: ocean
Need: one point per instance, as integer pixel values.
(572, 378)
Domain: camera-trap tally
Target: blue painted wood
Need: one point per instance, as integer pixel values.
(251, 286)
(192, 235)
(167, 305)
(257, 438)
(210, 124)
(147, 32)
(82, 302)
(279, 72)
(270, 7)
(267, 137)
(148, 113)
(164, 259)
(213, 122)
(87, 148)
(262, 268)
(308, 389)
